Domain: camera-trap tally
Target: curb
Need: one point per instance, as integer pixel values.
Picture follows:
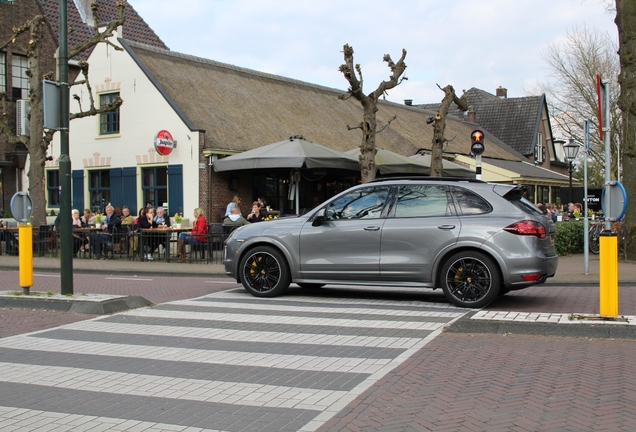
(578, 330)
(124, 272)
(104, 307)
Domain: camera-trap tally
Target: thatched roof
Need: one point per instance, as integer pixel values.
(242, 109)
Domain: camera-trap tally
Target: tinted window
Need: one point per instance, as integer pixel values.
(515, 197)
(422, 201)
(366, 203)
(470, 203)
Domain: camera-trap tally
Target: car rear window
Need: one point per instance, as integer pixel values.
(516, 199)
(470, 203)
(423, 201)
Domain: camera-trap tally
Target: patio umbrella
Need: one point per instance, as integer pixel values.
(387, 162)
(292, 153)
(449, 169)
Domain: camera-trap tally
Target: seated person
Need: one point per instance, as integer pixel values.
(111, 225)
(127, 218)
(150, 241)
(235, 219)
(89, 217)
(10, 242)
(255, 215)
(79, 237)
(198, 236)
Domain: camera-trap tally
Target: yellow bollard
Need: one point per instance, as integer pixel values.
(608, 273)
(25, 239)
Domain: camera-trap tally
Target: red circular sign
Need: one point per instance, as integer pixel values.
(164, 142)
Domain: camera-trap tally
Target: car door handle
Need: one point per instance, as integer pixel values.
(446, 227)
(372, 228)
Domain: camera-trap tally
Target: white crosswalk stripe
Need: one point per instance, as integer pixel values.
(222, 362)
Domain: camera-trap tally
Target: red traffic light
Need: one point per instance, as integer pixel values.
(477, 148)
(477, 136)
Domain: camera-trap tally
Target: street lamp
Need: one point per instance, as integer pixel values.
(571, 150)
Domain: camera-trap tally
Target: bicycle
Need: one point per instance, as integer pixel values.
(595, 231)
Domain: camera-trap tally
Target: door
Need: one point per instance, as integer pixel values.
(422, 224)
(346, 245)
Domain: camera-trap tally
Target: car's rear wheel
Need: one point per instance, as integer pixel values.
(310, 285)
(264, 272)
(470, 279)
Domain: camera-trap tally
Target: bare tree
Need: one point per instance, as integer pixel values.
(439, 126)
(626, 23)
(369, 105)
(571, 92)
(29, 39)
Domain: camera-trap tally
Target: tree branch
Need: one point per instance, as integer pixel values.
(386, 125)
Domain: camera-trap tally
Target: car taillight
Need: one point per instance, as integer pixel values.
(527, 227)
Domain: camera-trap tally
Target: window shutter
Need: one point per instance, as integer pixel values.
(129, 186)
(116, 190)
(175, 189)
(77, 183)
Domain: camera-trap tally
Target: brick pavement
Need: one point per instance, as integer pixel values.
(502, 382)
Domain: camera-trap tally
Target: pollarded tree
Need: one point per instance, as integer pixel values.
(28, 38)
(439, 126)
(626, 23)
(369, 105)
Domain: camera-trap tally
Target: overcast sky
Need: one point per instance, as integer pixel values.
(466, 43)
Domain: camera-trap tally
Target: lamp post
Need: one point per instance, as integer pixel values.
(571, 150)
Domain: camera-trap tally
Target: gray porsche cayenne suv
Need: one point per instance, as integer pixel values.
(475, 240)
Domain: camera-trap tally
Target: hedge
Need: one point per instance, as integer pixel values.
(569, 238)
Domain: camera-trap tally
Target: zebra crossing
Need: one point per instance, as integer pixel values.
(223, 362)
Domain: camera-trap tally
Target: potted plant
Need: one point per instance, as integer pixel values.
(178, 217)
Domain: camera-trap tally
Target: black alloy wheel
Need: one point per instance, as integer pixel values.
(264, 272)
(470, 279)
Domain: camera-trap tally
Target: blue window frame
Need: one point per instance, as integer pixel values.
(108, 121)
(53, 188)
(99, 190)
(154, 185)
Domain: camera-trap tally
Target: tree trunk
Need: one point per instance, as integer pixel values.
(626, 23)
(437, 146)
(36, 147)
(367, 147)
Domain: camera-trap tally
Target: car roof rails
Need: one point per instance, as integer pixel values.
(426, 178)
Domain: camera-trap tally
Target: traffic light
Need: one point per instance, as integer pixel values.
(477, 138)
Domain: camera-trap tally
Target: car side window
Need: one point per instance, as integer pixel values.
(470, 203)
(423, 201)
(365, 203)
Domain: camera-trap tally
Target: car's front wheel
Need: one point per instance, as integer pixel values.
(264, 272)
(470, 279)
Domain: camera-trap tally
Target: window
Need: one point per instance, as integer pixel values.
(109, 121)
(364, 203)
(53, 188)
(470, 203)
(422, 201)
(154, 186)
(3, 72)
(19, 78)
(99, 190)
(539, 150)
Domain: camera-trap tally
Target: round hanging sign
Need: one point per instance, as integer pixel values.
(164, 142)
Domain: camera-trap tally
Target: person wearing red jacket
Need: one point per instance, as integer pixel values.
(197, 236)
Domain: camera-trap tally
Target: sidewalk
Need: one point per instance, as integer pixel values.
(569, 273)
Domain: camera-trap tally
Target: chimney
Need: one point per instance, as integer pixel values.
(408, 102)
(502, 92)
(472, 115)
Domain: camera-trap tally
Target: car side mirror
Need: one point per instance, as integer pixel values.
(319, 218)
